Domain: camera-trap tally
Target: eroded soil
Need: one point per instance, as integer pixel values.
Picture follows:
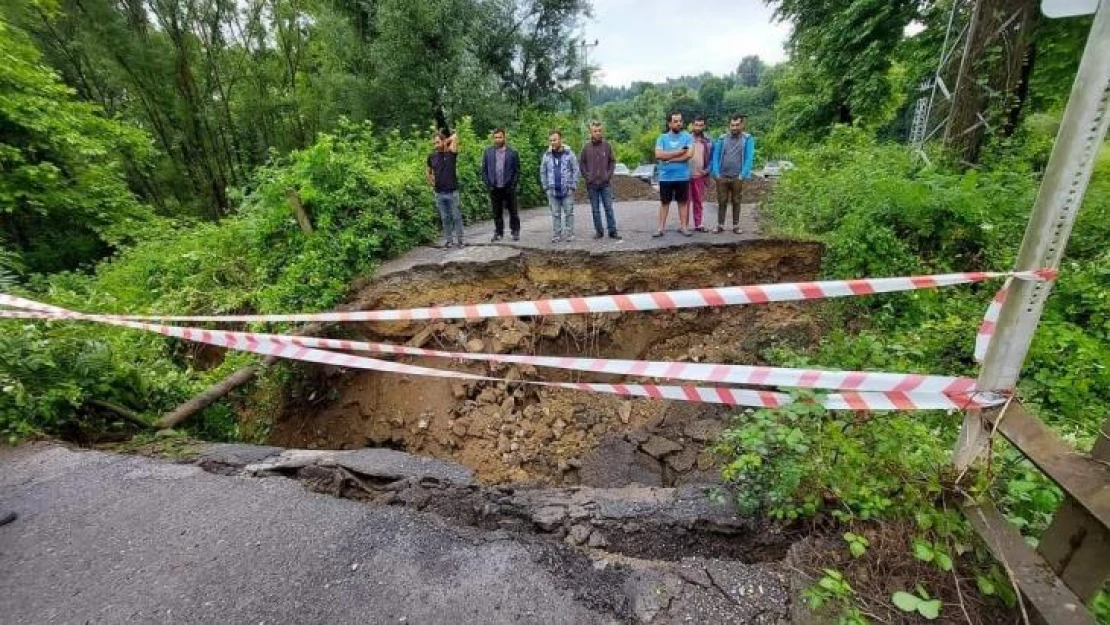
(509, 432)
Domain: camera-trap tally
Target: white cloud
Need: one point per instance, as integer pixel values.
(655, 39)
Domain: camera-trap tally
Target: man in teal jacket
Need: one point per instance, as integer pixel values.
(733, 155)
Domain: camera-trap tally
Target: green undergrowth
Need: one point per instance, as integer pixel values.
(881, 211)
(368, 201)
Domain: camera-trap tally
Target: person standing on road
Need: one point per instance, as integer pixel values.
(500, 171)
(559, 179)
(597, 163)
(673, 149)
(443, 178)
(733, 155)
(700, 163)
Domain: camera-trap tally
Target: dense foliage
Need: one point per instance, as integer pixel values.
(368, 200)
(63, 195)
(881, 211)
(219, 85)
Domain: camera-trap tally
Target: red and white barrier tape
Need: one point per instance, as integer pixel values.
(661, 300)
(990, 320)
(287, 347)
(697, 372)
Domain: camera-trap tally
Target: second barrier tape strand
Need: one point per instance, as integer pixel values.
(287, 347)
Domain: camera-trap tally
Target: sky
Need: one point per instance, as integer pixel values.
(652, 40)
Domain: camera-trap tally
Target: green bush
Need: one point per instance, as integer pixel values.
(368, 200)
(882, 212)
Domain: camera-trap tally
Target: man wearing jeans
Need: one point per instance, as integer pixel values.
(597, 163)
(500, 170)
(733, 155)
(559, 178)
(443, 178)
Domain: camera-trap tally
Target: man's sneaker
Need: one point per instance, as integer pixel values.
(616, 236)
(516, 236)
(556, 239)
(658, 233)
(7, 517)
(719, 229)
(448, 244)
(685, 232)
(569, 239)
(496, 238)
(599, 235)
(460, 244)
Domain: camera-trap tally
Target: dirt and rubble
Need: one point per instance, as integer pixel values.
(509, 432)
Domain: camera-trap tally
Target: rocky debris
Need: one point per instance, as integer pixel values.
(657, 446)
(579, 534)
(686, 592)
(624, 411)
(704, 430)
(616, 462)
(684, 461)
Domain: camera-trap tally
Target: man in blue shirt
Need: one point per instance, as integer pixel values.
(673, 150)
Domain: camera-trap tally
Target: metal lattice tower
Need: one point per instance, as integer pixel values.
(972, 27)
(933, 111)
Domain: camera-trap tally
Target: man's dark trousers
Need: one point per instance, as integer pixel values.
(501, 199)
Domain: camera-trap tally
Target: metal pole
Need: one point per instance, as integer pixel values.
(586, 72)
(1082, 132)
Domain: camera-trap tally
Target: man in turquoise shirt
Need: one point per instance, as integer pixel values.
(673, 149)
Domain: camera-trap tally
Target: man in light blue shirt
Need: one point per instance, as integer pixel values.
(673, 150)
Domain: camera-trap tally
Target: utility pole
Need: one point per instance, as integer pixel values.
(586, 46)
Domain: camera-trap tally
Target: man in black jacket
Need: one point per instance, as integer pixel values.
(500, 172)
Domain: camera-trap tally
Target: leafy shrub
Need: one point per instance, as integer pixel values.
(368, 200)
(881, 212)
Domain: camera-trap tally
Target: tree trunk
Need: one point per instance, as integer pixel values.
(1001, 26)
(299, 211)
(211, 395)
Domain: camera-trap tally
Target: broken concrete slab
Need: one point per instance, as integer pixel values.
(616, 462)
(235, 454)
(378, 463)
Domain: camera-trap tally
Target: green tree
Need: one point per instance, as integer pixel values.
(750, 70)
(842, 53)
(711, 94)
(63, 194)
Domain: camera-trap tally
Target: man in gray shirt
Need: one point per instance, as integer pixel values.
(733, 155)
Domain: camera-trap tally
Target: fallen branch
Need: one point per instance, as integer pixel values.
(217, 391)
(128, 414)
(212, 394)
